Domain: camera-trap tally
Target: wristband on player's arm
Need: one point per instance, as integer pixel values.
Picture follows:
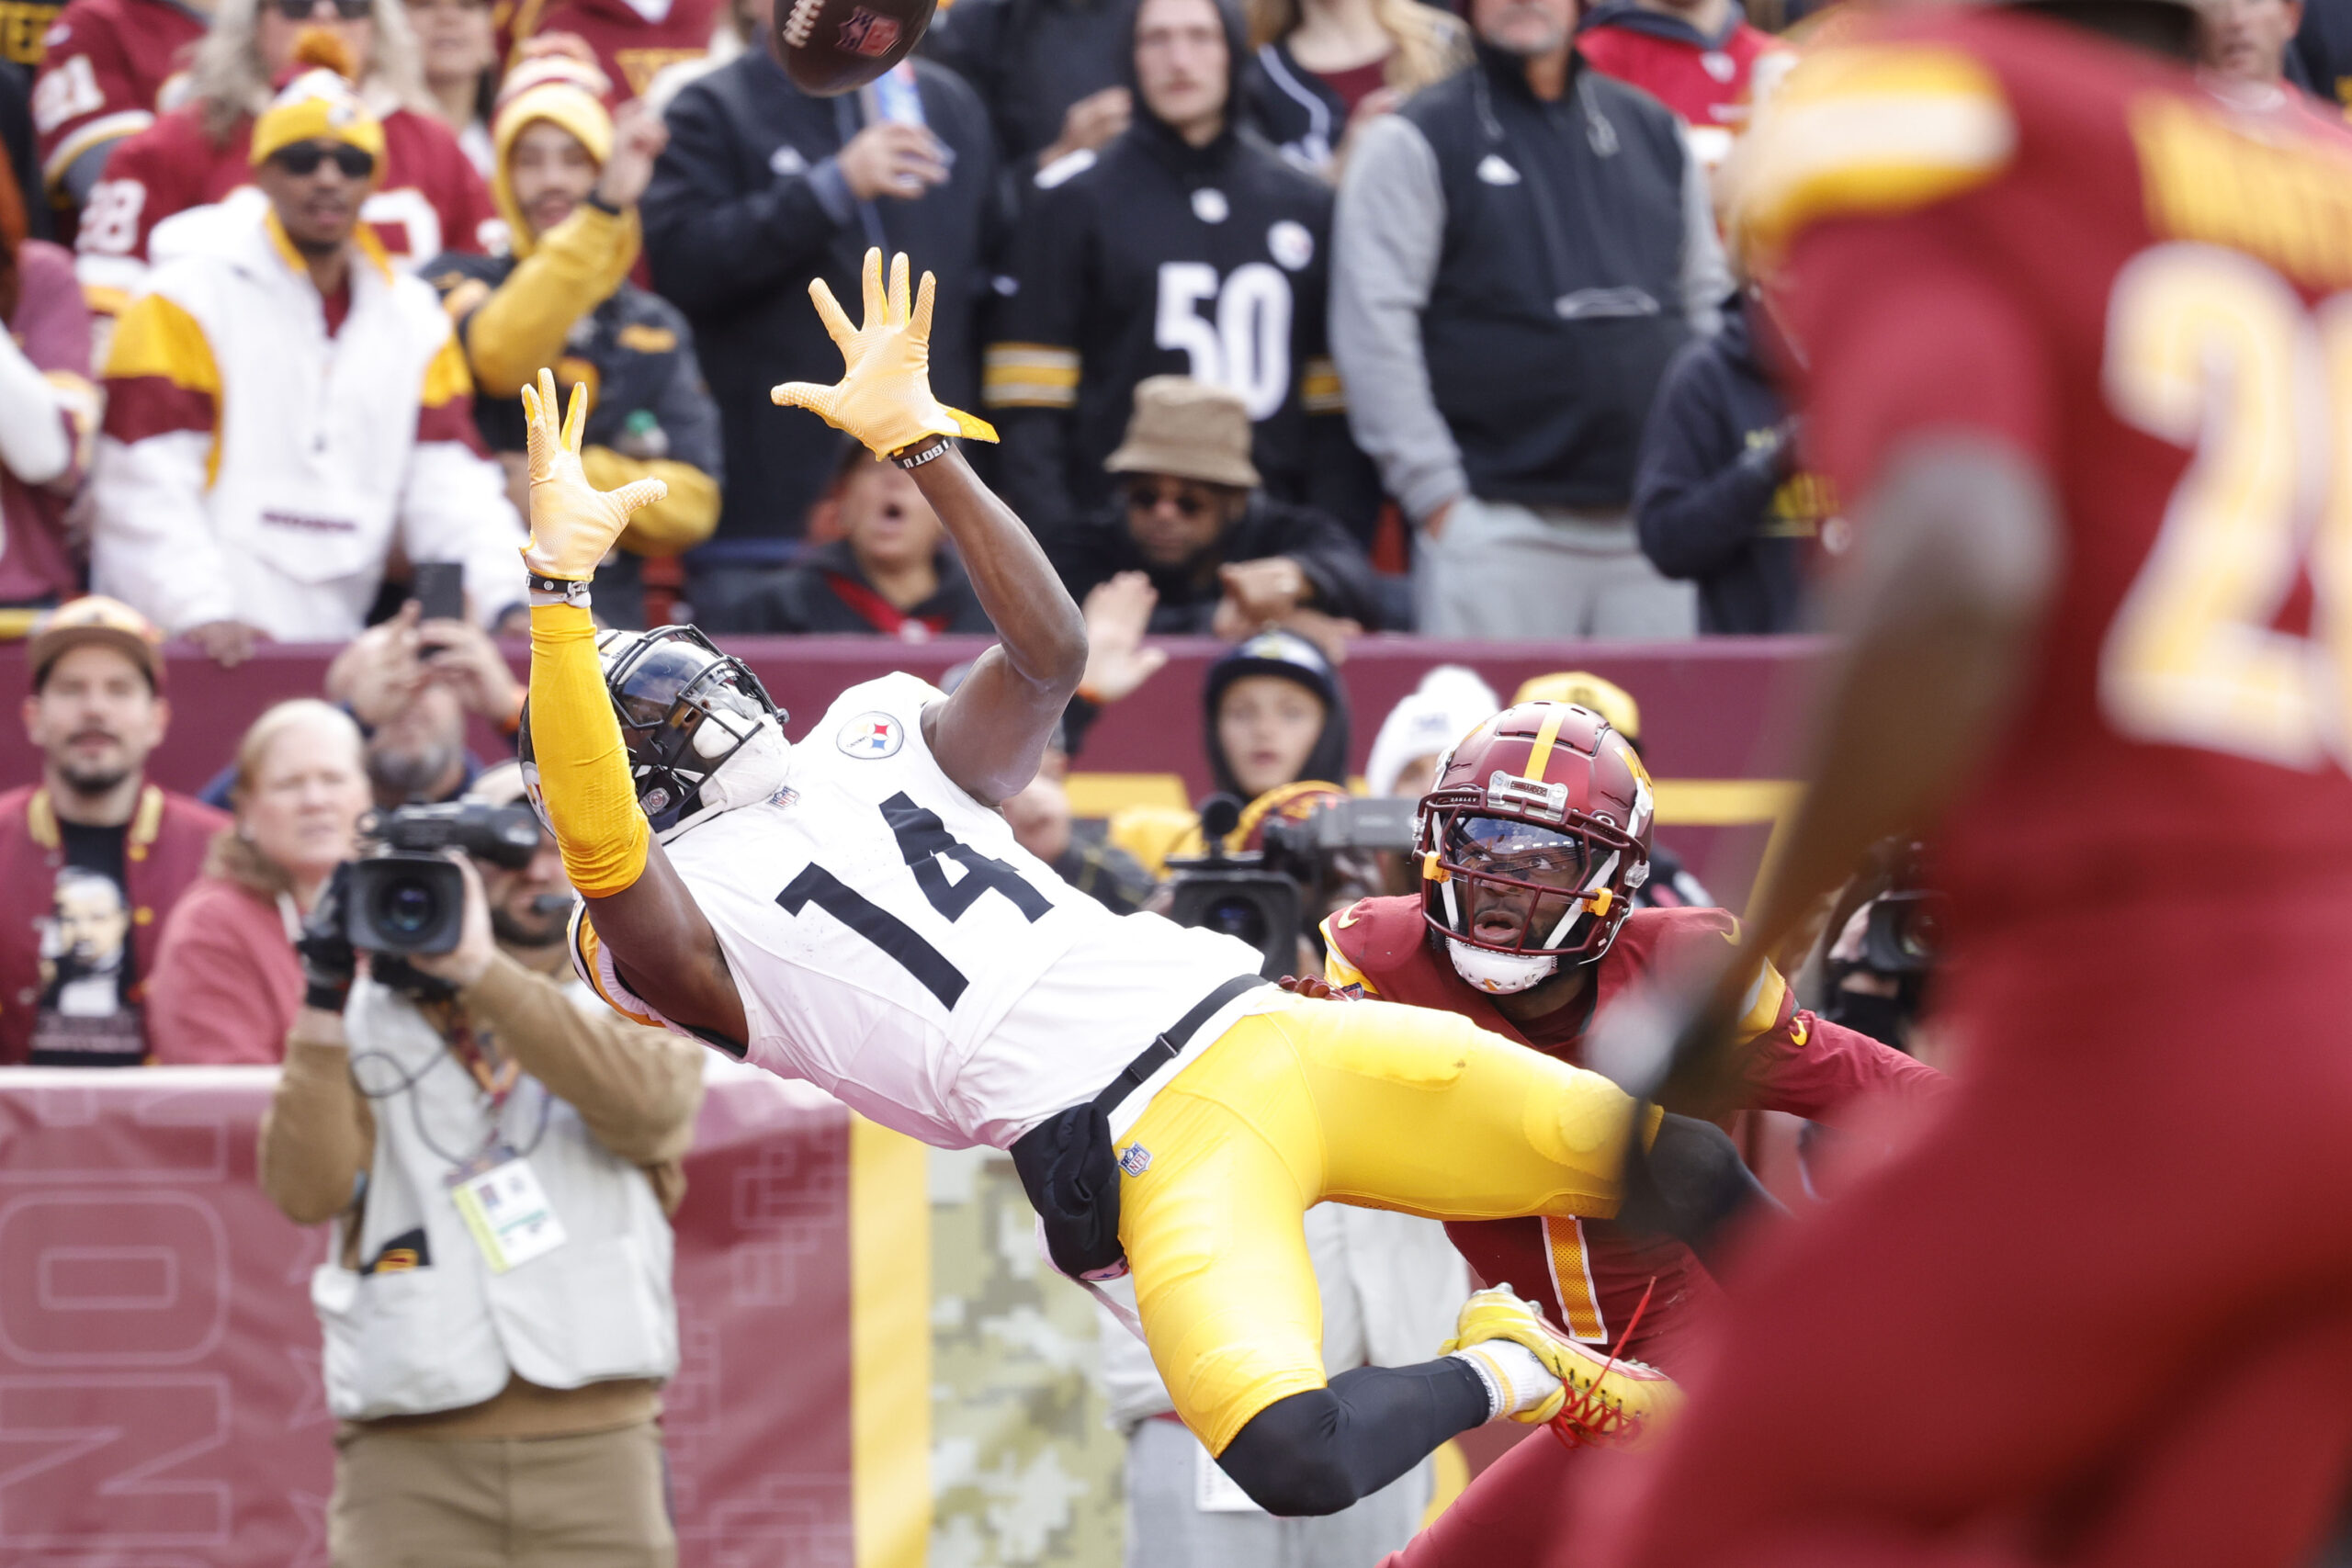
(582, 764)
(558, 591)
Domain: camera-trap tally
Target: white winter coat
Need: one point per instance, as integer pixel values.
(254, 468)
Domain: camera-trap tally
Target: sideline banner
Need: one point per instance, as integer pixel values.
(159, 1398)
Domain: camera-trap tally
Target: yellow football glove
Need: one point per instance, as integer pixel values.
(572, 521)
(884, 396)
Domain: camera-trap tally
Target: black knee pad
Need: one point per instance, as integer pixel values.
(1285, 1459)
(1319, 1451)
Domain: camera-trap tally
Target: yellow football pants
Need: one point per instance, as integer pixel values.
(1358, 1102)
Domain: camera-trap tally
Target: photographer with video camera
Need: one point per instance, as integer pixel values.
(502, 1154)
(1887, 930)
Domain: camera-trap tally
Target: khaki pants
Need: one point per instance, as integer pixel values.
(592, 1501)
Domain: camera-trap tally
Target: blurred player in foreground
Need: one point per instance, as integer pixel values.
(854, 911)
(2072, 338)
(1534, 841)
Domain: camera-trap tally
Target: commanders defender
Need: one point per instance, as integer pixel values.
(1533, 845)
(855, 912)
(2076, 336)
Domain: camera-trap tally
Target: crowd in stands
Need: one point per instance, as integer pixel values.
(1302, 322)
(1458, 270)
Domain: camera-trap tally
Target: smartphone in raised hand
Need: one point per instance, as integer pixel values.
(439, 589)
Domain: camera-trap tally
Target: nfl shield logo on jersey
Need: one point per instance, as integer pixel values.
(871, 735)
(1135, 1160)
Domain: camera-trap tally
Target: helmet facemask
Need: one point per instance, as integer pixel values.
(1517, 883)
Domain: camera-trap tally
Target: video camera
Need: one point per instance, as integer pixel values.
(407, 897)
(1271, 897)
(1903, 933)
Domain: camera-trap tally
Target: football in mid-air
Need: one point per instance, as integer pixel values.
(836, 46)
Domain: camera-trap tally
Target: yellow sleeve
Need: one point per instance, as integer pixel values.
(679, 521)
(1152, 833)
(157, 336)
(582, 766)
(1865, 128)
(1762, 1009)
(575, 267)
(445, 377)
(1335, 968)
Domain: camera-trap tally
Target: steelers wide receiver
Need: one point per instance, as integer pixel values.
(852, 910)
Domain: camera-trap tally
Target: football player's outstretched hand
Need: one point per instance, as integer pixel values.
(884, 396)
(572, 521)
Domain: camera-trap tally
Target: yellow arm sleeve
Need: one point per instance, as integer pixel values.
(1152, 833)
(575, 267)
(1762, 1004)
(583, 767)
(1335, 968)
(679, 521)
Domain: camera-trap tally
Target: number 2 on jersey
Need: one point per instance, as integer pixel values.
(2210, 350)
(924, 841)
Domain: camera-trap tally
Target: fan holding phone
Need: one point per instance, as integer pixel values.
(415, 680)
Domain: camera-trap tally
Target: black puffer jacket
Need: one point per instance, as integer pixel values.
(747, 205)
(1717, 496)
(1030, 60)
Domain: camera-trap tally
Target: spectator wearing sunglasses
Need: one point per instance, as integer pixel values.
(427, 197)
(285, 409)
(1225, 558)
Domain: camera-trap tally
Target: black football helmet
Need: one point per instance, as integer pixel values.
(685, 708)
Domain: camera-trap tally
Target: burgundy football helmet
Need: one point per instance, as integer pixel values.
(1548, 809)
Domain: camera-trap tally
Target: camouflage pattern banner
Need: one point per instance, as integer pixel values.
(1025, 1465)
(160, 1395)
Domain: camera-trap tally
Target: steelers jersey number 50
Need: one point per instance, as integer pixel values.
(2210, 350)
(924, 841)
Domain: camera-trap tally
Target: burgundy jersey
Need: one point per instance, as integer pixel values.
(111, 67)
(1707, 81)
(1979, 220)
(631, 47)
(36, 558)
(1589, 1275)
(428, 200)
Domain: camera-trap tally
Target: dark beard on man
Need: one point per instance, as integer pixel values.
(93, 780)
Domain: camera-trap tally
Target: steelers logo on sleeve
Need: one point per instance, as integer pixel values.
(871, 737)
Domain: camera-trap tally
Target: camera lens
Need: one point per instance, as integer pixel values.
(1237, 917)
(406, 908)
(1922, 933)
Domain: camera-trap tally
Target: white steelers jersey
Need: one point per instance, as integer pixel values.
(894, 946)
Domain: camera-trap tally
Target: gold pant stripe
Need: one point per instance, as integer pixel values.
(1572, 1278)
